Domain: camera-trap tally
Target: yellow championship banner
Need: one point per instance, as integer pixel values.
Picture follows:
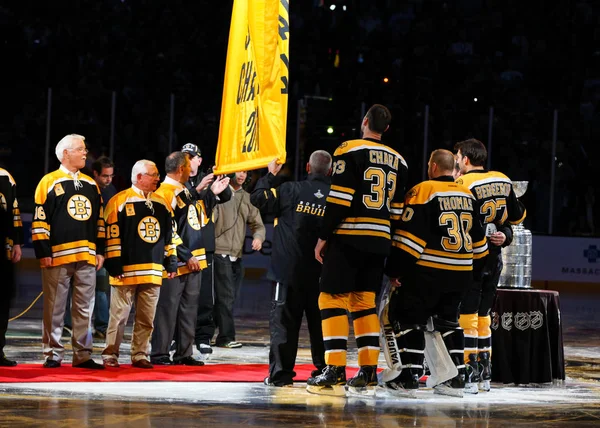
(255, 92)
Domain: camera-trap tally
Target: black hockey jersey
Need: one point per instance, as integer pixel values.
(140, 238)
(439, 232)
(68, 223)
(367, 192)
(299, 207)
(13, 229)
(190, 217)
(208, 200)
(496, 201)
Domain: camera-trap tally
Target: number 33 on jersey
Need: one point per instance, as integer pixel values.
(367, 191)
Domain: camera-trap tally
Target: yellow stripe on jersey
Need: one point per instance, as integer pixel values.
(338, 201)
(40, 230)
(170, 250)
(354, 145)
(177, 239)
(113, 248)
(343, 189)
(444, 267)
(473, 179)
(366, 220)
(341, 195)
(361, 233)
(83, 253)
(143, 267)
(404, 247)
(480, 255)
(480, 249)
(447, 260)
(521, 219)
(364, 226)
(428, 190)
(446, 254)
(182, 267)
(136, 280)
(71, 245)
(396, 210)
(411, 237)
(112, 252)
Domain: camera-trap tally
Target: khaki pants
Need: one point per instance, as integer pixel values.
(55, 284)
(121, 300)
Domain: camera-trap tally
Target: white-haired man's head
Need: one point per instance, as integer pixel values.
(145, 176)
(66, 143)
(140, 168)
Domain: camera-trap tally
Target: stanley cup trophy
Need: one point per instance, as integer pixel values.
(517, 256)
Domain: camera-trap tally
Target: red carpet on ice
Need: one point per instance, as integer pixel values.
(125, 373)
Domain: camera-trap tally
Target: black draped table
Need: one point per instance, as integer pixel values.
(527, 344)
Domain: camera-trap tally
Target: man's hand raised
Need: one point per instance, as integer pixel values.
(205, 182)
(220, 184)
(274, 167)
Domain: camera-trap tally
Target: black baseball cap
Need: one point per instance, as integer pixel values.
(191, 149)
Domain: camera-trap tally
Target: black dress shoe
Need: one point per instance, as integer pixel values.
(89, 364)
(5, 362)
(189, 361)
(162, 361)
(51, 364)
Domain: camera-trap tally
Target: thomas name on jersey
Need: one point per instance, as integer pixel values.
(456, 203)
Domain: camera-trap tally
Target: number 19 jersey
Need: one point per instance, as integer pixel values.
(366, 195)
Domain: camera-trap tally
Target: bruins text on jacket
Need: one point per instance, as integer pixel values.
(299, 207)
(68, 223)
(439, 234)
(367, 191)
(140, 238)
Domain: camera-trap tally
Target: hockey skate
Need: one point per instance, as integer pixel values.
(330, 382)
(404, 385)
(486, 371)
(472, 375)
(364, 383)
(453, 387)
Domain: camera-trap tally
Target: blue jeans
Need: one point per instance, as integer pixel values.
(102, 307)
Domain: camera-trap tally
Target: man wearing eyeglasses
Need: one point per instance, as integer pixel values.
(68, 237)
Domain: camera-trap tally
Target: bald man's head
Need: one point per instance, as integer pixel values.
(441, 163)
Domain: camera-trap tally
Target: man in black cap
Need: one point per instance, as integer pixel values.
(199, 184)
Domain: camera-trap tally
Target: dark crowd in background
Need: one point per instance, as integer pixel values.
(526, 59)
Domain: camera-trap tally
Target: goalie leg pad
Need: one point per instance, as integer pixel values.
(444, 349)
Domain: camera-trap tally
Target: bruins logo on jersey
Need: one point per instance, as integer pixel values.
(192, 217)
(80, 208)
(3, 203)
(411, 193)
(149, 229)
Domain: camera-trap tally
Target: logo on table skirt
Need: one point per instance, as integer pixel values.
(495, 320)
(521, 320)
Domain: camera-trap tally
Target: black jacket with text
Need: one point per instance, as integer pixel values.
(298, 207)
